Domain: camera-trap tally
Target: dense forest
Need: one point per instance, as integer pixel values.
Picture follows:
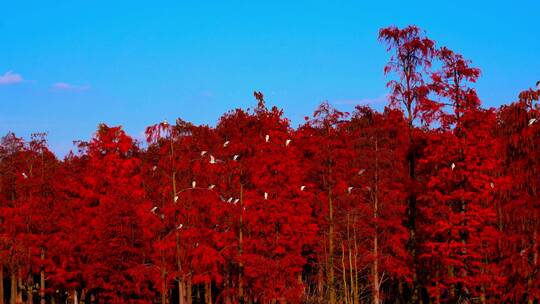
(432, 200)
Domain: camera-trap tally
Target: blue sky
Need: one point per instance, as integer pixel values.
(66, 66)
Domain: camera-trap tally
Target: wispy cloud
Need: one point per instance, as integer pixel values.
(363, 101)
(63, 86)
(10, 78)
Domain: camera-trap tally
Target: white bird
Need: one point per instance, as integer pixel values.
(212, 159)
(452, 166)
(175, 198)
(235, 157)
(236, 201)
(24, 175)
(211, 187)
(287, 142)
(203, 153)
(193, 184)
(302, 188)
(265, 196)
(361, 171)
(154, 168)
(153, 210)
(267, 138)
(230, 200)
(225, 144)
(162, 216)
(492, 185)
(531, 121)
(179, 226)
(349, 189)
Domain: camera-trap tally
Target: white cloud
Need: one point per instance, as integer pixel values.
(10, 78)
(63, 86)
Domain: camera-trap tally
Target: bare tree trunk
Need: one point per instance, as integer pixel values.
(19, 287)
(42, 278)
(344, 274)
(375, 270)
(330, 283)
(1, 284)
(13, 298)
(240, 240)
(208, 293)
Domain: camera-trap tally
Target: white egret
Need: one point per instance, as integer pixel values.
(236, 201)
(225, 144)
(179, 226)
(265, 196)
(287, 142)
(24, 175)
(175, 198)
(235, 157)
(212, 159)
(267, 138)
(211, 187)
(361, 171)
(193, 184)
(230, 200)
(452, 166)
(203, 153)
(349, 189)
(302, 188)
(531, 121)
(153, 210)
(492, 185)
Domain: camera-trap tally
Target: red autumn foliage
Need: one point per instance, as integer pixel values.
(432, 200)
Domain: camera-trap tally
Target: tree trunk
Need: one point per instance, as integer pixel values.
(1, 284)
(42, 279)
(240, 239)
(330, 283)
(375, 269)
(13, 298)
(18, 288)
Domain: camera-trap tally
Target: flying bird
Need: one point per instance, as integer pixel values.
(193, 184)
(153, 210)
(265, 195)
(267, 138)
(302, 188)
(211, 187)
(531, 121)
(235, 157)
(287, 142)
(349, 189)
(225, 144)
